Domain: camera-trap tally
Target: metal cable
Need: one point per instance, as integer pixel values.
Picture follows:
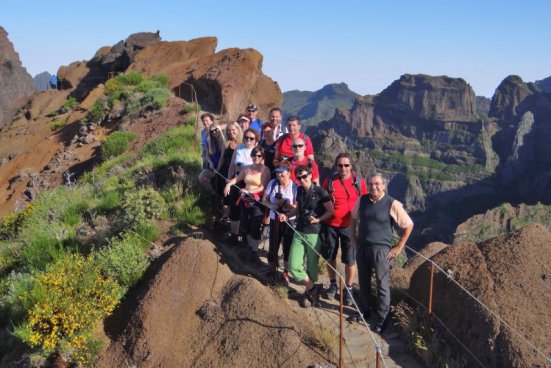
(484, 305)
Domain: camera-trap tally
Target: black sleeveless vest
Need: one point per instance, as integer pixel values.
(375, 222)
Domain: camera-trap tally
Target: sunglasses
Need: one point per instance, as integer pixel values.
(343, 165)
(257, 156)
(297, 146)
(251, 110)
(302, 177)
(249, 138)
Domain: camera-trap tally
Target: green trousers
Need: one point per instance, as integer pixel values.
(296, 257)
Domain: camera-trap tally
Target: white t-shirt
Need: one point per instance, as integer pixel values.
(289, 192)
(242, 158)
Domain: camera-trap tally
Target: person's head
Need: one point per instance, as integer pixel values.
(303, 175)
(275, 116)
(207, 119)
(257, 155)
(293, 125)
(215, 135)
(234, 132)
(250, 138)
(252, 111)
(283, 171)
(299, 147)
(343, 165)
(376, 184)
(268, 131)
(244, 122)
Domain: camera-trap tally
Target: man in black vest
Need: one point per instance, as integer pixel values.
(371, 226)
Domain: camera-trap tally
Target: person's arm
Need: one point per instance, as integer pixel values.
(315, 173)
(221, 159)
(354, 225)
(402, 219)
(233, 181)
(329, 211)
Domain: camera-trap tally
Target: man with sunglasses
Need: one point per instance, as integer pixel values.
(298, 159)
(372, 221)
(252, 114)
(313, 207)
(344, 187)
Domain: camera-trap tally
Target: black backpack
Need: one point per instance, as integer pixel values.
(357, 183)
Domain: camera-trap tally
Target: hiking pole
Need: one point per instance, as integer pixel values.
(341, 337)
(378, 354)
(431, 284)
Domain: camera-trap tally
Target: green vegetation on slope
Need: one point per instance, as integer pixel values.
(69, 257)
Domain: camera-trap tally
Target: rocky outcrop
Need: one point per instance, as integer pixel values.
(42, 81)
(16, 85)
(483, 104)
(313, 107)
(82, 76)
(503, 220)
(510, 275)
(224, 82)
(544, 84)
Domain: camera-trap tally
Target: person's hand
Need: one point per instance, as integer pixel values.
(244, 191)
(283, 217)
(314, 220)
(226, 190)
(393, 253)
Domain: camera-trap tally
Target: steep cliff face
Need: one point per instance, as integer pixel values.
(523, 115)
(423, 132)
(16, 85)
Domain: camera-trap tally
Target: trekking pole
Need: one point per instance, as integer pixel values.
(431, 284)
(341, 337)
(378, 354)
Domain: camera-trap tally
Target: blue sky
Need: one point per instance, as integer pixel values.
(307, 44)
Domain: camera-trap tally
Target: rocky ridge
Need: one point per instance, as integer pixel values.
(16, 85)
(446, 160)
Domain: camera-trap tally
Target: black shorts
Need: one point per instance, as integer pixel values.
(330, 244)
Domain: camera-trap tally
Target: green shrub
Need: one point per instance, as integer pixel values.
(108, 202)
(10, 252)
(140, 206)
(130, 79)
(113, 86)
(156, 98)
(123, 260)
(115, 144)
(41, 251)
(176, 139)
(190, 107)
(64, 304)
(97, 111)
(70, 104)
(11, 223)
(58, 124)
(188, 211)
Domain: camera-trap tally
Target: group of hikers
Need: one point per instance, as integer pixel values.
(256, 165)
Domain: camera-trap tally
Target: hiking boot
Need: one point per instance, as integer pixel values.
(346, 298)
(315, 293)
(233, 240)
(331, 291)
(380, 325)
(305, 301)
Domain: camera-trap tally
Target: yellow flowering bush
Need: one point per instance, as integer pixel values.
(10, 225)
(67, 300)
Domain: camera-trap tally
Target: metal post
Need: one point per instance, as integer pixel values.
(341, 338)
(431, 284)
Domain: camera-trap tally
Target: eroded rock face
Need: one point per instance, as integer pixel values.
(16, 85)
(509, 274)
